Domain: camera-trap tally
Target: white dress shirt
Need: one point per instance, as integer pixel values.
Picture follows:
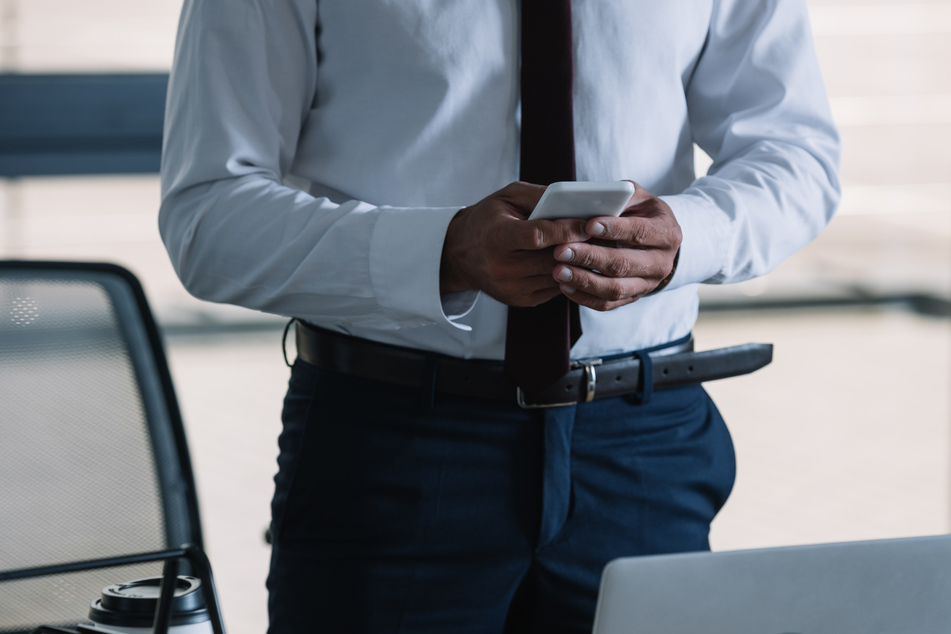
(315, 152)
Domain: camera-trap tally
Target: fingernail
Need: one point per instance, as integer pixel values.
(597, 229)
(566, 256)
(567, 290)
(564, 275)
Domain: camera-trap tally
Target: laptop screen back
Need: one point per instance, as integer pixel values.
(898, 586)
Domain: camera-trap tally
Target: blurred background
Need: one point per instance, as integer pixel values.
(846, 436)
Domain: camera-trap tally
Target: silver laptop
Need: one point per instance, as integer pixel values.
(896, 586)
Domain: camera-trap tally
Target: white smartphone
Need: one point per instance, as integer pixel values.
(583, 199)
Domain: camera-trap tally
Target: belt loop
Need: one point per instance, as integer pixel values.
(427, 391)
(646, 375)
(287, 327)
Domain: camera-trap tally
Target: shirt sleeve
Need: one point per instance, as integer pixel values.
(243, 81)
(757, 105)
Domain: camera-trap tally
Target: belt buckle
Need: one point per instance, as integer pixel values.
(590, 378)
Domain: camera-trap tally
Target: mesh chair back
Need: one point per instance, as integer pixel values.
(93, 460)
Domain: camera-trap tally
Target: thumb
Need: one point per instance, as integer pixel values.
(639, 196)
(523, 196)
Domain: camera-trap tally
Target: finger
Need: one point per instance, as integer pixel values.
(543, 295)
(612, 261)
(528, 291)
(650, 231)
(538, 283)
(593, 302)
(534, 235)
(639, 196)
(609, 289)
(522, 264)
(520, 274)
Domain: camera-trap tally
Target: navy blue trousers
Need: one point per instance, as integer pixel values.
(478, 516)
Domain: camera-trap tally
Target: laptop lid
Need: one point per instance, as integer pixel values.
(895, 586)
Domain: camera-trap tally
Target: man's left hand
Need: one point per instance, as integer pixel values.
(627, 258)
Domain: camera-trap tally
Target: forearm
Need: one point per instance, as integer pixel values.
(745, 219)
(256, 243)
(758, 106)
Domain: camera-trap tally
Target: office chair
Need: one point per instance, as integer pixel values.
(94, 467)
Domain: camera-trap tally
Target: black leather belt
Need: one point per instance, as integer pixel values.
(588, 379)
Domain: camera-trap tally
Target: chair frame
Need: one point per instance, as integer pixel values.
(165, 378)
(192, 552)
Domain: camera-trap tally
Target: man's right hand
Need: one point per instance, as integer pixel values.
(492, 247)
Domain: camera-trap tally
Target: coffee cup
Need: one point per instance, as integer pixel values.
(129, 608)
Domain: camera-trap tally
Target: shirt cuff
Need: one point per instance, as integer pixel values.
(405, 254)
(703, 248)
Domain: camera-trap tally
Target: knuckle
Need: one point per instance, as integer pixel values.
(616, 266)
(585, 259)
(611, 230)
(582, 283)
(676, 236)
(573, 231)
(642, 233)
(534, 238)
(601, 305)
(614, 291)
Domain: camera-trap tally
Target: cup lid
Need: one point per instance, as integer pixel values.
(133, 604)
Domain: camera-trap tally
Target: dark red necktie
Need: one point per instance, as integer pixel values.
(539, 339)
